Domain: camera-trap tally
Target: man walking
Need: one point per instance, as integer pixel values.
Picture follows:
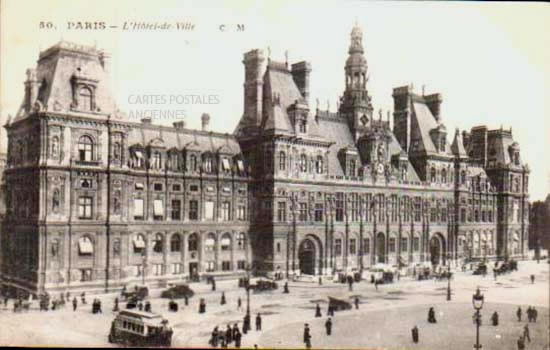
(318, 311)
(521, 343)
(532, 279)
(526, 333)
(239, 304)
(518, 314)
(75, 303)
(307, 336)
(414, 333)
(328, 326)
(258, 322)
(356, 303)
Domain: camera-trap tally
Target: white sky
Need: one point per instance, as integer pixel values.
(490, 61)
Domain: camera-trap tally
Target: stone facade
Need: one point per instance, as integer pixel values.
(95, 201)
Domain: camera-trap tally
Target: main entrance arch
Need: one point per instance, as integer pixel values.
(381, 247)
(437, 249)
(306, 257)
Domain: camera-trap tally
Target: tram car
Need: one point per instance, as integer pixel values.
(140, 329)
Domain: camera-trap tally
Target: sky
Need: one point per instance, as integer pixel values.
(490, 61)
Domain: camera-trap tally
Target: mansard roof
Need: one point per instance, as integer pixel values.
(424, 122)
(457, 147)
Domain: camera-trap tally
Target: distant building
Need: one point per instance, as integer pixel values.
(539, 225)
(95, 200)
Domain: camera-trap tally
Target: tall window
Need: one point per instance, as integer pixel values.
(175, 243)
(139, 244)
(138, 209)
(117, 151)
(210, 243)
(282, 161)
(366, 246)
(416, 244)
(281, 211)
(352, 246)
(55, 147)
(226, 211)
(225, 242)
(394, 208)
(240, 241)
(193, 243)
(85, 207)
(155, 160)
(176, 209)
(192, 162)
(319, 212)
(241, 212)
(303, 163)
(193, 210)
(85, 99)
(403, 244)
(303, 212)
(392, 245)
(157, 243)
(319, 165)
(351, 166)
(339, 206)
(207, 163)
(417, 209)
(444, 176)
(432, 175)
(303, 126)
(338, 247)
(85, 148)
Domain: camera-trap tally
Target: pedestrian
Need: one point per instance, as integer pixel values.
(376, 284)
(239, 304)
(320, 281)
(214, 337)
(115, 308)
(238, 339)
(494, 318)
(529, 313)
(213, 284)
(328, 326)
(307, 336)
(186, 299)
(228, 335)
(6, 300)
(222, 302)
(99, 306)
(357, 303)
(140, 306)
(258, 322)
(83, 297)
(518, 314)
(285, 289)
(317, 310)
(526, 333)
(68, 295)
(431, 315)
(202, 306)
(495, 274)
(521, 343)
(235, 330)
(147, 306)
(414, 332)
(532, 279)
(350, 283)
(75, 303)
(535, 315)
(246, 323)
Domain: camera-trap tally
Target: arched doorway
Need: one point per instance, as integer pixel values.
(381, 247)
(306, 257)
(437, 250)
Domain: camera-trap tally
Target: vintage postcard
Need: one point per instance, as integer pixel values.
(274, 175)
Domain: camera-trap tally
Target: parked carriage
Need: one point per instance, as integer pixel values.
(140, 329)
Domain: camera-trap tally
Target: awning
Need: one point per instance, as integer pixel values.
(139, 186)
(158, 207)
(240, 165)
(226, 241)
(85, 246)
(225, 163)
(138, 154)
(139, 242)
(138, 207)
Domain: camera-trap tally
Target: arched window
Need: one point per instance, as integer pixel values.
(319, 165)
(85, 148)
(240, 240)
(175, 243)
(303, 163)
(193, 243)
(226, 242)
(85, 246)
(282, 161)
(139, 244)
(210, 243)
(444, 176)
(55, 147)
(193, 162)
(85, 99)
(432, 175)
(157, 243)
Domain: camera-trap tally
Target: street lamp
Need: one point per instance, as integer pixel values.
(143, 266)
(449, 285)
(477, 301)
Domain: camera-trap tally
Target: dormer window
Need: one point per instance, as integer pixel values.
(516, 158)
(85, 99)
(351, 166)
(302, 126)
(207, 164)
(432, 175)
(225, 164)
(319, 165)
(303, 163)
(193, 162)
(442, 144)
(282, 161)
(156, 160)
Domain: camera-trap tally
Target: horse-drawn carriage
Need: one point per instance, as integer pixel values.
(262, 286)
(133, 298)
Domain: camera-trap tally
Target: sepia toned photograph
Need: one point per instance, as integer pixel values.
(275, 175)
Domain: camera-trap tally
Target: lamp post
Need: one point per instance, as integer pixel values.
(248, 290)
(477, 301)
(449, 286)
(143, 266)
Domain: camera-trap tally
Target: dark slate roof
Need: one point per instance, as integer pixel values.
(457, 146)
(424, 122)
(336, 131)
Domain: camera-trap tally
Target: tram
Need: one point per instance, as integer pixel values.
(140, 329)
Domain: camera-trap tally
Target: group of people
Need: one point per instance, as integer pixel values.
(223, 339)
(531, 312)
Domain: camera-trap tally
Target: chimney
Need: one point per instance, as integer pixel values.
(105, 61)
(146, 121)
(31, 88)
(205, 119)
(433, 102)
(179, 125)
(253, 86)
(300, 74)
